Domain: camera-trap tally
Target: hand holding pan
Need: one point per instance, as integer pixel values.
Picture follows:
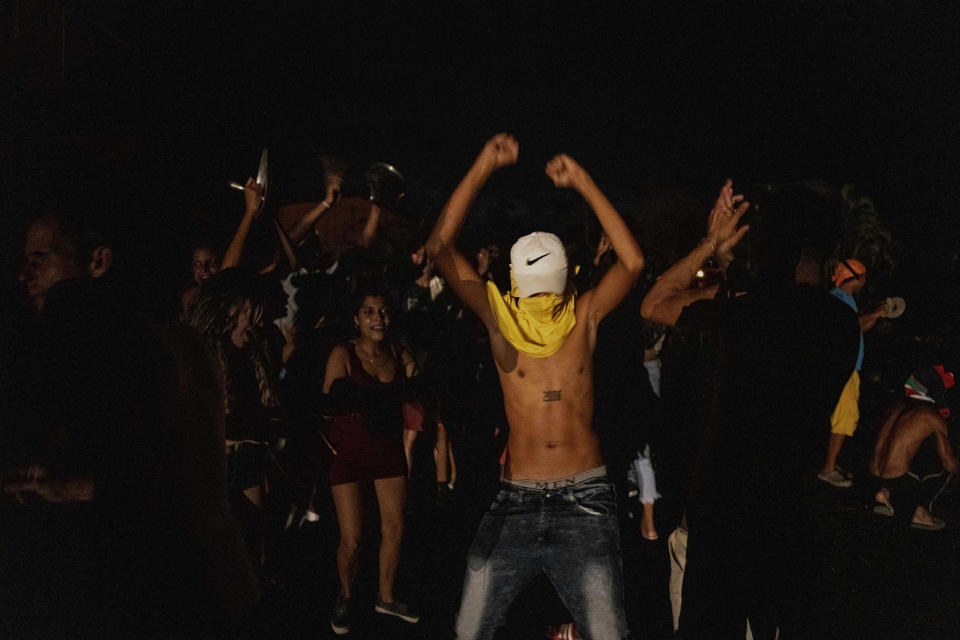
(261, 178)
(385, 185)
(894, 307)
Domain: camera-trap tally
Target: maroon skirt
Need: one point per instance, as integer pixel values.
(362, 456)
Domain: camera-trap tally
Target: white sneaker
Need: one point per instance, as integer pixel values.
(835, 478)
(398, 610)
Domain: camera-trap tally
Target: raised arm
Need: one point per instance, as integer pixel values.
(501, 150)
(252, 202)
(672, 292)
(285, 245)
(616, 282)
(369, 232)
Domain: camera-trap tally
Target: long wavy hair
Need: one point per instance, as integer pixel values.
(214, 316)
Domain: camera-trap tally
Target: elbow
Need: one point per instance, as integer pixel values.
(366, 240)
(634, 265)
(647, 308)
(434, 246)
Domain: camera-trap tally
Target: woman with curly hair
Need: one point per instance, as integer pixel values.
(228, 314)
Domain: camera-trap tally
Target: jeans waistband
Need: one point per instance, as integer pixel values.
(559, 483)
(236, 445)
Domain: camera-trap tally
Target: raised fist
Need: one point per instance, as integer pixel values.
(251, 195)
(501, 150)
(333, 184)
(564, 171)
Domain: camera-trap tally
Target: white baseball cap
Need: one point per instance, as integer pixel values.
(538, 263)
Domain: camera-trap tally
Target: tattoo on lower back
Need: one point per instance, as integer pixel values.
(552, 395)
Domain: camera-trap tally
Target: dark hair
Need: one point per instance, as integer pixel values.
(218, 299)
(802, 216)
(80, 236)
(214, 317)
(366, 290)
(209, 246)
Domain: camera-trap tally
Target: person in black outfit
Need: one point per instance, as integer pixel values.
(228, 315)
(115, 522)
(781, 365)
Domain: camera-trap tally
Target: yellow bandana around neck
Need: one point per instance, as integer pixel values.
(535, 326)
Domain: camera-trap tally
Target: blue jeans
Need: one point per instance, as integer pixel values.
(568, 532)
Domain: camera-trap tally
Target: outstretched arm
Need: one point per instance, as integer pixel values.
(616, 282)
(672, 292)
(869, 320)
(501, 150)
(35, 479)
(252, 202)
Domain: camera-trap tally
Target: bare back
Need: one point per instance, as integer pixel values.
(549, 404)
(901, 438)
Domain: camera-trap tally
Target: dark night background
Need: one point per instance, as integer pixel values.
(144, 110)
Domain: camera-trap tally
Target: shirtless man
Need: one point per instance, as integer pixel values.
(555, 511)
(913, 458)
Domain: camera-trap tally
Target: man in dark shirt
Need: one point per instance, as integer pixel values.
(115, 521)
(782, 360)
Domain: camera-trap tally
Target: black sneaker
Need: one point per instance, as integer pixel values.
(398, 610)
(340, 620)
(444, 494)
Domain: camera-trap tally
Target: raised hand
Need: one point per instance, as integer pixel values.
(483, 261)
(333, 183)
(499, 151)
(252, 196)
(565, 172)
(722, 230)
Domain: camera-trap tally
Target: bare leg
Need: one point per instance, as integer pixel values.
(391, 494)
(647, 527)
(647, 488)
(922, 516)
(409, 436)
(833, 450)
(348, 500)
(440, 454)
(883, 497)
(453, 464)
(256, 494)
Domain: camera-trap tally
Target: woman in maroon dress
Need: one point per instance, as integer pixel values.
(364, 383)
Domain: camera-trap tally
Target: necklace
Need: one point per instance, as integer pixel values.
(370, 358)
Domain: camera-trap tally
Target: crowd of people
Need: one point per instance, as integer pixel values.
(151, 469)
